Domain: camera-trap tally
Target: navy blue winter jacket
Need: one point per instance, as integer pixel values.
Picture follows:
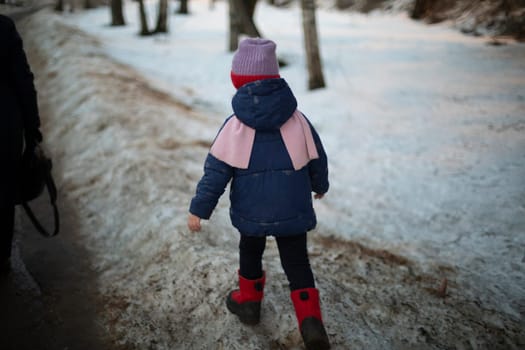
(270, 197)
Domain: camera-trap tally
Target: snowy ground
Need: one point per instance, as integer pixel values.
(425, 132)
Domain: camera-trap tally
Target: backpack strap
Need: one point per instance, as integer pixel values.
(52, 191)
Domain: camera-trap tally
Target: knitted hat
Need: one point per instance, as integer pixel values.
(255, 59)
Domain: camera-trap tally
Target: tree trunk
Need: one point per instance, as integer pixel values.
(311, 44)
(343, 4)
(144, 29)
(420, 9)
(59, 6)
(88, 4)
(117, 15)
(162, 18)
(241, 20)
(250, 7)
(183, 8)
(247, 10)
(244, 9)
(235, 27)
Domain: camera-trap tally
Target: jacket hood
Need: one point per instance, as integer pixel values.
(264, 104)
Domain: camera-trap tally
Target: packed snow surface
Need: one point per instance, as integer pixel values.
(425, 134)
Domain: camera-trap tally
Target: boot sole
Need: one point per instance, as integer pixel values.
(248, 313)
(314, 334)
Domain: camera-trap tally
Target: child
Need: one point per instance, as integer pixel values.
(275, 160)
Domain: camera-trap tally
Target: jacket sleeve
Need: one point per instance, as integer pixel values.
(318, 168)
(216, 176)
(22, 79)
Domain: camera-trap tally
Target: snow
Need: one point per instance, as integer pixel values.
(425, 133)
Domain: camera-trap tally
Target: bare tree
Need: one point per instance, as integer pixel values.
(144, 28)
(183, 7)
(241, 21)
(117, 15)
(343, 4)
(280, 3)
(421, 7)
(89, 4)
(162, 18)
(59, 6)
(235, 27)
(311, 44)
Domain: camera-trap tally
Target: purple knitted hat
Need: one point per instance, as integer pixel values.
(255, 59)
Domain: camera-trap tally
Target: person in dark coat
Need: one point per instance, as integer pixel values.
(19, 126)
(275, 160)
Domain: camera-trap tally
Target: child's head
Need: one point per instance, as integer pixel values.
(255, 59)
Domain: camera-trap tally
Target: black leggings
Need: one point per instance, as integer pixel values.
(294, 259)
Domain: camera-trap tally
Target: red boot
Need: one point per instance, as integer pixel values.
(308, 311)
(245, 302)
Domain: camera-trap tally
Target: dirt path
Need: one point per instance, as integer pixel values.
(51, 294)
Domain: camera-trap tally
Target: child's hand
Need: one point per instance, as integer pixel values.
(194, 223)
(318, 195)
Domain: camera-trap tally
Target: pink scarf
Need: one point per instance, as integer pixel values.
(234, 143)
